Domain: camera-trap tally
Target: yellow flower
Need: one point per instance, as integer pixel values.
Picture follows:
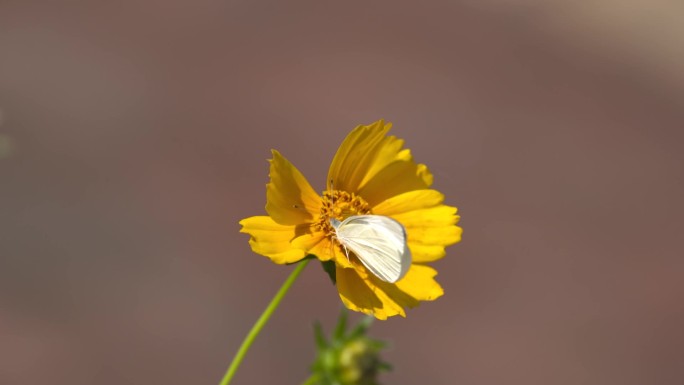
(370, 174)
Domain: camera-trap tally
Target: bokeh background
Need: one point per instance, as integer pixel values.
(134, 136)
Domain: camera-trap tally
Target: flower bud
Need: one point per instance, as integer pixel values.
(348, 358)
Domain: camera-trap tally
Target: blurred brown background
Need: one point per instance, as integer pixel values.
(135, 134)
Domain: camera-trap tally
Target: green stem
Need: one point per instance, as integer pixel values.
(313, 379)
(261, 322)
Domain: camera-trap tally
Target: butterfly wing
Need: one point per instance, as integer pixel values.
(379, 242)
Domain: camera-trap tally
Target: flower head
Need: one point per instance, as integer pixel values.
(371, 173)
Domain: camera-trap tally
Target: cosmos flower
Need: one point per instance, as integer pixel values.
(371, 173)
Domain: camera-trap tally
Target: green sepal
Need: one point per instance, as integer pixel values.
(361, 327)
(321, 341)
(330, 268)
(308, 256)
(341, 326)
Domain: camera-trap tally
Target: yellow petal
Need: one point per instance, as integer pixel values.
(323, 249)
(341, 259)
(366, 293)
(419, 283)
(271, 239)
(412, 200)
(356, 295)
(390, 151)
(427, 239)
(375, 166)
(356, 155)
(316, 244)
(395, 178)
(425, 174)
(430, 226)
(443, 235)
(290, 199)
(426, 253)
(439, 215)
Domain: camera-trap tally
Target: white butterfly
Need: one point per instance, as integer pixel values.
(378, 241)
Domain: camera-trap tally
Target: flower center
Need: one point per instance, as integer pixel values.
(339, 205)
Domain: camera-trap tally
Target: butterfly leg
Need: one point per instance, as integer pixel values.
(346, 251)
